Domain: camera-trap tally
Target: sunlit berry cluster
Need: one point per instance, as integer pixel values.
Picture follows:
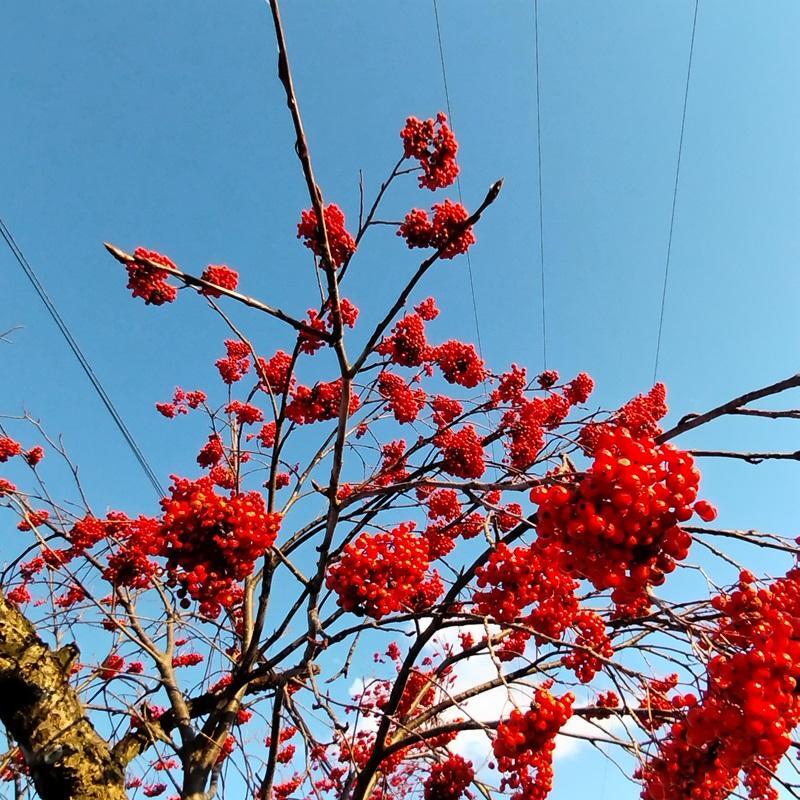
(9, 448)
(182, 402)
(459, 363)
(525, 742)
(449, 779)
(433, 144)
(382, 573)
(148, 281)
(219, 275)
(319, 403)
(403, 401)
(618, 526)
(407, 345)
(462, 452)
(447, 231)
(235, 365)
(275, 373)
(514, 579)
(342, 245)
(745, 717)
(212, 541)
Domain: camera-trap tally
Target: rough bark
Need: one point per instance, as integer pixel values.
(68, 760)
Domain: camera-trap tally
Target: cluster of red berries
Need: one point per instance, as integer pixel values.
(318, 403)
(379, 574)
(511, 580)
(245, 413)
(427, 309)
(219, 275)
(618, 527)
(148, 281)
(403, 401)
(442, 503)
(525, 423)
(182, 401)
(447, 231)
(462, 452)
(445, 410)
(130, 562)
(407, 346)
(211, 541)
(525, 742)
(459, 363)
(275, 373)
(511, 386)
(449, 779)
(592, 645)
(745, 717)
(528, 586)
(111, 667)
(9, 448)
(236, 363)
(212, 452)
(393, 463)
(187, 659)
(640, 416)
(342, 245)
(433, 144)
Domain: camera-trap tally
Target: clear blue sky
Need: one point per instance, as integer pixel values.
(163, 124)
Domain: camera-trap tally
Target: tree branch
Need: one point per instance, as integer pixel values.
(67, 758)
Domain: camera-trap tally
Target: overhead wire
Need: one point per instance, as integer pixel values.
(79, 355)
(460, 200)
(675, 193)
(458, 177)
(539, 175)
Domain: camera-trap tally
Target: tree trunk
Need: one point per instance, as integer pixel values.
(67, 758)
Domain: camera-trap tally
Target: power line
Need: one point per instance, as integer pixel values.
(675, 192)
(539, 173)
(82, 360)
(458, 177)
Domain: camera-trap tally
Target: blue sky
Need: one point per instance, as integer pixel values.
(163, 124)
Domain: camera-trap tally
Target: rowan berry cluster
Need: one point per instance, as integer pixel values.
(525, 424)
(459, 363)
(514, 579)
(319, 403)
(9, 448)
(382, 573)
(618, 527)
(511, 386)
(275, 373)
(245, 413)
(445, 410)
(211, 541)
(592, 645)
(449, 779)
(148, 281)
(182, 401)
(745, 717)
(236, 363)
(447, 230)
(525, 742)
(403, 401)
(219, 275)
(342, 245)
(407, 346)
(187, 659)
(34, 455)
(462, 452)
(130, 562)
(433, 144)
